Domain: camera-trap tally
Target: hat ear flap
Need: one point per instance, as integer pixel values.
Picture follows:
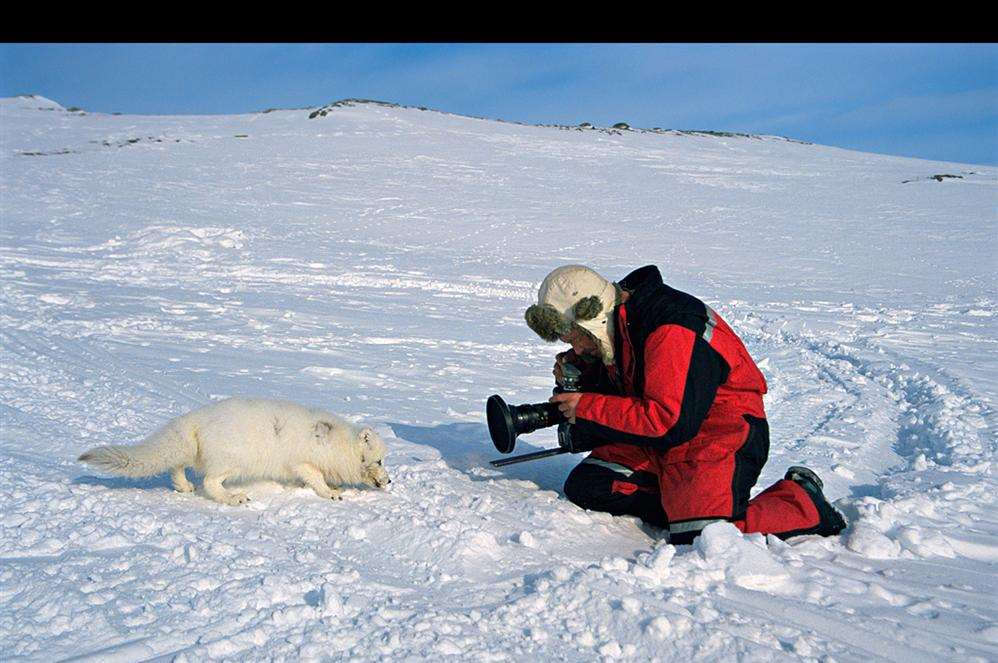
(588, 308)
(546, 322)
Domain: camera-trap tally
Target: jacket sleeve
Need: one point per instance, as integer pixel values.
(682, 374)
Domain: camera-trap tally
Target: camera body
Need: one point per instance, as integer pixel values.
(571, 379)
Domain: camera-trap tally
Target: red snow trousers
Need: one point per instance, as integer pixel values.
(685, 495)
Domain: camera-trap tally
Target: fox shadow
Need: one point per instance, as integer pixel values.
(146, 483)
(468, 448)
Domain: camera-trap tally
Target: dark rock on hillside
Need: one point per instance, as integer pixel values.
(616, 130)
(46, 154)
(343, 103)
(938, 178)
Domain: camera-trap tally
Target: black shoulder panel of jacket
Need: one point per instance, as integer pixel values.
(642, 277)
(653, 304)
(708, 370)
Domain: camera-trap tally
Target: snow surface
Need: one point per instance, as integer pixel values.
(376, 262)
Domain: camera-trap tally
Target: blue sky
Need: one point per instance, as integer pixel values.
(921, 100)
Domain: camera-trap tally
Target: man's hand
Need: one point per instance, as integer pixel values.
(567, 402)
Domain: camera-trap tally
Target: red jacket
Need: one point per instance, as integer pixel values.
(683, 379)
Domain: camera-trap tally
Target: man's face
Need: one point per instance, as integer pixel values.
(582, 343)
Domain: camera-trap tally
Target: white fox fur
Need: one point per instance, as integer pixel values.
(244, 438)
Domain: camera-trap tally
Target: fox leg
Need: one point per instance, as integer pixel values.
(313, 479)
(179, 479)
(215, 490)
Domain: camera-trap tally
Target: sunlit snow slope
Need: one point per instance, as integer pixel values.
(376, 261)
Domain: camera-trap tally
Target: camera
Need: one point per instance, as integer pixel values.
(507, 422)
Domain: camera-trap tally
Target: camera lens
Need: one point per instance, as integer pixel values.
(501, 427)
(507, 422)
(528, 418)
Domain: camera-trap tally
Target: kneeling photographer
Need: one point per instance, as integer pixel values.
(669, 402)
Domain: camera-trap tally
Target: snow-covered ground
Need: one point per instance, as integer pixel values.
(376, 262)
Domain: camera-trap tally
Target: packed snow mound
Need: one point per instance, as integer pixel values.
(746, 561)
(376, 262)
(29, 102)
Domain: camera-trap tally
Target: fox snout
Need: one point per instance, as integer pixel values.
(379, 478)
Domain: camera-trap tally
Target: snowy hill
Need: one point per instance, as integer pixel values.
(376, 261)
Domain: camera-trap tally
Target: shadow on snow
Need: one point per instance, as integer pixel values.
(467, 447)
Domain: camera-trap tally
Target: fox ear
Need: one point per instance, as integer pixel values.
(322, 429)
(367, 437)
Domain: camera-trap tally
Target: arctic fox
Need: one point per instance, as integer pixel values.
(253, 439)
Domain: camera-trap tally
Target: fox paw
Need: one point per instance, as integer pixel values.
(328, 493)
(186, 487)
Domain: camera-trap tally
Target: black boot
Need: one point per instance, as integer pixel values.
(831, 521)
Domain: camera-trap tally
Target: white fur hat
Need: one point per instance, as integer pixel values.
(575, 295)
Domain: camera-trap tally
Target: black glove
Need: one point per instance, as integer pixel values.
(566, 439)
(565, 435)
